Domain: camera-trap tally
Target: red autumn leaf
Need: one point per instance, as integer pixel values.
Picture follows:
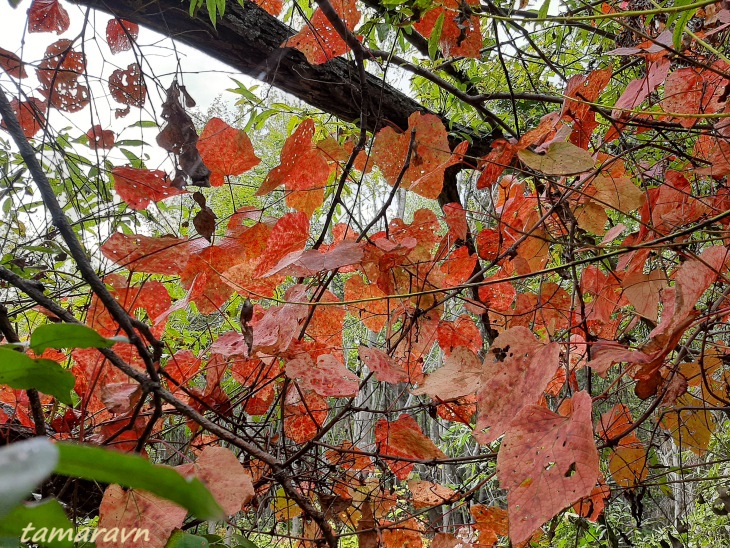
(304, 171)
(251, 246)
(592, 506)
(140, 187)
(460, 375)
(691, 280)
(456, 220)
(684, 91)
(514, 375)
(303, 417)
(120, 398)
(289, 234)
(460, 33)
(348, 458)
(128, 510)
(181, 367)
(491, 522)
(318, 40)
(272, 7)
(138, 253)
(462, 332)
(430, 154)
(328, 377)
(47, 16)
(30, 115)
(225, 150)
(120, 34)
(308, 263)
(457, 267)
(151, 296)
(128, 87)
(372, 313)
(58, 74)
(327, 322)
(547, 462)
(381, 365)
(100, 138)
(404, 438)
(12, 64)
(219, 469)
(496, 162)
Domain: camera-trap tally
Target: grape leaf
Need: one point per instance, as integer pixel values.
(547, 462)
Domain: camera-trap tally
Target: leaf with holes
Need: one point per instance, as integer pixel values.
(547, 462)
(120, 35)
(140, 187)
(303, 170)
(515, 374)
(100, 138)
(128, 87)
(47, 16)
(318, 40)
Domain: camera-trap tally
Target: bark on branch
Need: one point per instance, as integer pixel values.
(248, 39)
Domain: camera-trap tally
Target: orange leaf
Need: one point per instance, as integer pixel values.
(318, 40)
(328, 377)
(303, 170)
(289, 234)
(139, 187)
(404, 438)
(126, 510)
(138, 253)
(225, 150)
(431, 154)
(224, 476)
(460, 33)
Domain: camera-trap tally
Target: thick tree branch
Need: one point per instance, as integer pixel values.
(248, 39)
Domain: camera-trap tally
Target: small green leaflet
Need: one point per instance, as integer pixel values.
(680, 25)
(433, 40)
(23, 466)
(67, 335)
(102, 465)
(19, 371)
(543, 11)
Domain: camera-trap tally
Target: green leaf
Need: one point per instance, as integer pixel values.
(560, 159)
(180, 539)
(97, 464)
(543, 11)
(49, 515)
(19, 371)
(23, 466)
(67, 335)
(679, 26)
(433, 40)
